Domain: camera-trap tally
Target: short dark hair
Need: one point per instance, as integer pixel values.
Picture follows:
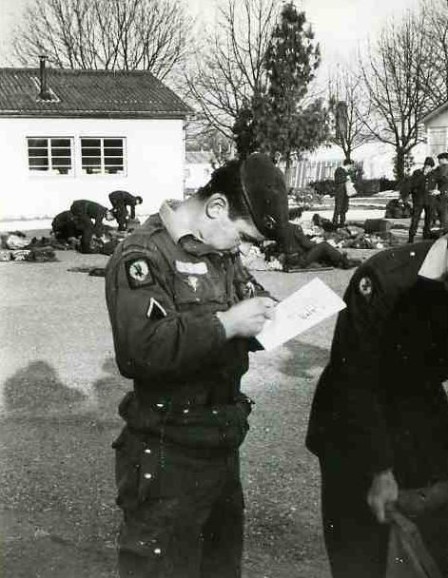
(348, 162)
(138, 200)
(429, 162)
(442, 156)
(227, 180)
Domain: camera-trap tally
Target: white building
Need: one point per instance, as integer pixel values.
(67, 135)
(199, 166)
(436, 125)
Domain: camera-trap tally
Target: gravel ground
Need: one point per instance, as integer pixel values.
(59, 393)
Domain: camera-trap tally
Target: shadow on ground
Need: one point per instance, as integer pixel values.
(56, 481)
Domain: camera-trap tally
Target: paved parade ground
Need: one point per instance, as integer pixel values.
(59, 395)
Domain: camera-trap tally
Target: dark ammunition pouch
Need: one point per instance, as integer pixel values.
(197, 426)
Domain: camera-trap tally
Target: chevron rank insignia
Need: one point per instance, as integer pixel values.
(138, 273)
(155, 310)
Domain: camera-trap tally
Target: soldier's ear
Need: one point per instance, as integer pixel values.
(217, 206)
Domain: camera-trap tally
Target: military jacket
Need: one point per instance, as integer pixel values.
(126, 198)
(380, 402)
(420, 186)
(162, 299)
(296, 242)
(439, 178)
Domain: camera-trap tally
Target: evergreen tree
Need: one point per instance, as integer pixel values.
(281, 119)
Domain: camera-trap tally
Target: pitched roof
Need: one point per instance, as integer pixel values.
(441, 108)
(88, 93)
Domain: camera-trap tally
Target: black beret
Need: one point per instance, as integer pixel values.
(266, 195)
(443, 156)
(429, 162)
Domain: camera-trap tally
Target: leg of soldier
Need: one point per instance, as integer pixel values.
(428, 219)
(344, 209)
(417, 209)
(223, 532)
(443, 211)
(167, 497)
(356, 543)
(337, 208)
(86, 238)
(85, 226)
(121, 215)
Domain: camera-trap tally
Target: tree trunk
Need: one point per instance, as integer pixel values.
(399, 164)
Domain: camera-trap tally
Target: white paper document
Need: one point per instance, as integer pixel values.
(308, 306)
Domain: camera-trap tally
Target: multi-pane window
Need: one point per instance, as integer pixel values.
(102, 156)
(50, 155)
(437, 140)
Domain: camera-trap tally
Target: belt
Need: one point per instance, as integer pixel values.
(223, 425)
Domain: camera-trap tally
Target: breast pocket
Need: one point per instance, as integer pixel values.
(199, 290)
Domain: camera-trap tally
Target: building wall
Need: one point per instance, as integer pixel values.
(155, 165)
(437, 134)
(197, 175)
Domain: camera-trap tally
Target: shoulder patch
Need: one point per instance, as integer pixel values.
(365, 287)
(138, 272)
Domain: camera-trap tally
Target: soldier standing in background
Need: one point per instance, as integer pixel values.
(341, 200)
(421, 199)
(439, 186)
(183, 326)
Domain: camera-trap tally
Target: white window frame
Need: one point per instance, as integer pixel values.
(51, 170)
(103, 172)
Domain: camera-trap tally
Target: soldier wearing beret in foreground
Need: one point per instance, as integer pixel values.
(379, 420)
(184, 313)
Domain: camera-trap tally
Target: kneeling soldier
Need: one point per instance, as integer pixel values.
(183, 324)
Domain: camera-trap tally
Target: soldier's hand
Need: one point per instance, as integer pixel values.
(382, 495)
(246, 319)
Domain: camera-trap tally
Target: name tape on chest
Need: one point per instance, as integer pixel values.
(192, 268)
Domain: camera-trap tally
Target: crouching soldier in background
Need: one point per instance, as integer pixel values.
(183, 326)
(120, 201)
(64, 227)
(300, 252)
(379, 420)
(83, 212)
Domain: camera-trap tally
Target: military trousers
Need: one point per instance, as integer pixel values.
(341, 203)
(121, 214)
(357, 545)
(441, 210)
(321, 253)
(418, 206)
(182, 509)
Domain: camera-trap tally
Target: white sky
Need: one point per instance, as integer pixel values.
(340, 25)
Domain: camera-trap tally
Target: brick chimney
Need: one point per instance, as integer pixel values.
(44, 93)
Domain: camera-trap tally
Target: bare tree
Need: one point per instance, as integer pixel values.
(229, 71)
(104, 34)
(347, 106)
(434, 15)
(394, 73)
